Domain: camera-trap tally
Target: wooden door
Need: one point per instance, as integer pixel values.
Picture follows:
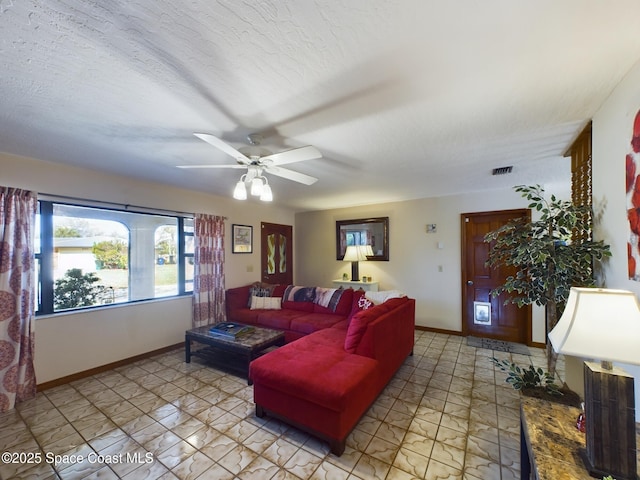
(276, 260)
(485, 315)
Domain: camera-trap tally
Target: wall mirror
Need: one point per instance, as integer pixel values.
(364, 231)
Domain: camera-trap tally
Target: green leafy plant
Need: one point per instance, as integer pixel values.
(111, 254)
(66, 232)
(531, 377)
(547, 260)
(76, 290)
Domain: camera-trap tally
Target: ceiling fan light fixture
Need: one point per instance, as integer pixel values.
(258, 160)
(240, 191)
(267, 195)
(257, 186)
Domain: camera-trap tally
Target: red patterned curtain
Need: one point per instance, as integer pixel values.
(208, 280)
(17, 221)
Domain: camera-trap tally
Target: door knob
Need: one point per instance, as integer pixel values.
(469, 282)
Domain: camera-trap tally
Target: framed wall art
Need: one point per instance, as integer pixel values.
(632, 168)
(364, 231)
(242, 239)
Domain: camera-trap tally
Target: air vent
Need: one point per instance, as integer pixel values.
(502, 170)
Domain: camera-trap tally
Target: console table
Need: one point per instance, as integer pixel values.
(550, 441)
(366, 286)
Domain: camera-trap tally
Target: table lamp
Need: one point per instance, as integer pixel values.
(604, 324)
(355, 254)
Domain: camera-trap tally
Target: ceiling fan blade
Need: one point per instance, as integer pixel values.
(225, 147)
(294, 155)
(211, 166)
(291, 175)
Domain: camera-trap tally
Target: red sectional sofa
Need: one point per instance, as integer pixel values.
(335, 364)
(296, 319)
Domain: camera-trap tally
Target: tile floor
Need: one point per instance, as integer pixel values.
(447, 414)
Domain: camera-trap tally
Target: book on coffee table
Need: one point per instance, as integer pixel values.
(230, 329)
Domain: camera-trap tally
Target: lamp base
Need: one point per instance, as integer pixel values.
(597, 473)
(355, 275)
(610, 423)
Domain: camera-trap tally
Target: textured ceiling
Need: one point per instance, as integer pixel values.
(405, 99)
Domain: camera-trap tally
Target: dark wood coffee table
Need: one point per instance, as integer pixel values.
(231, 354)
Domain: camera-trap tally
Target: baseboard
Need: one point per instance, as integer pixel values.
(103, 368)
(453, 332)
(438, 330)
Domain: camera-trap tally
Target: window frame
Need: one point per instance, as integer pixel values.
(45, 256)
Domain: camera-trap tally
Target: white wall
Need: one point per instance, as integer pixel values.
(71, 343)
(414, 256)
(612, 131)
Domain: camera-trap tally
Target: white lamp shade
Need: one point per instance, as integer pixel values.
(357, 253)
(599, 323)
(240, 191)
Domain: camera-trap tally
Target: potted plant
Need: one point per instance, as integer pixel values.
(548, 262)
(527, 378)
(535, 382)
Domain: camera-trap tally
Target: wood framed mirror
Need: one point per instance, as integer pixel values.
(364, 231)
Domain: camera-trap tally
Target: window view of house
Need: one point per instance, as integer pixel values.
(91, 256)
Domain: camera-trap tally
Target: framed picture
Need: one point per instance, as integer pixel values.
(364, 231)
(482, 313)
(242, 239)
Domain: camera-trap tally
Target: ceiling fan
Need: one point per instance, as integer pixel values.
(257, 163)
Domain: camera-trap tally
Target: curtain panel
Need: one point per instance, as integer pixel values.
(208, 279)
(17, 290)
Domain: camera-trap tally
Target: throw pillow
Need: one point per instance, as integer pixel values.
(360, 303)
(343, 306)
(258, 290)
(299, 294)
(328, 297)
(380, 297)
(265, 303)
(357, 326)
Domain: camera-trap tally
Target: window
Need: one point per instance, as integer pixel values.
(88, 257)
